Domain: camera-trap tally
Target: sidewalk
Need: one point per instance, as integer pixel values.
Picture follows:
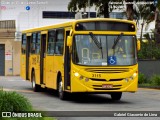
(10, 78)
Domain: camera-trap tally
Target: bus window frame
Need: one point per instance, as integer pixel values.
(38, 43)
(54, 42)
(33, 43)
(23, 52)
(63, 45)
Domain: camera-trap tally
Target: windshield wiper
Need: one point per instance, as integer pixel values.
(95, 40)
(118, 38)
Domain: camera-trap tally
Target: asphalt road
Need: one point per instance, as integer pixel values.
(143, 100)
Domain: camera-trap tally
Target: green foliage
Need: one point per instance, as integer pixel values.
(142, 78)
(155, 80)
(14, 102)
(149, 51)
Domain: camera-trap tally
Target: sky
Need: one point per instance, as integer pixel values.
(28, 13)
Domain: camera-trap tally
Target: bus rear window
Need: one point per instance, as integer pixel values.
(105, 26)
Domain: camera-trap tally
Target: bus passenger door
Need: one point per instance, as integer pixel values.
(43, 57)
(28, 54)
(67, 63)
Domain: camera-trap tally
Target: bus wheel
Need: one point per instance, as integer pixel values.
(116, 95)
(61, 93)
(35, 87)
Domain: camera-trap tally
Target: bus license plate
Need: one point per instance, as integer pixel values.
(107, 86)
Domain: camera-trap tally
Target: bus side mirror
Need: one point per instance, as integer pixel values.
(69, 41)
(138, 45)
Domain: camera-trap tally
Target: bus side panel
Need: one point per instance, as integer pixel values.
(23, 66)
(37, 69)
(34, 65)
(30, 68)
(54, 65)
(50, 73)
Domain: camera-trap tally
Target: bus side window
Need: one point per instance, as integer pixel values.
(33, 43)
(38, 38)
(59, 42)
(23, 44)
(51, 42)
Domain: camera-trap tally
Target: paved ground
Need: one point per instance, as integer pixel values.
(143, 100)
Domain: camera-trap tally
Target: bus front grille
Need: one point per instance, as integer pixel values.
(107, 70)
(94, 79)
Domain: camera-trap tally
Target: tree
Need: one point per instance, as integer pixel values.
(102, 5)
(129, 10)
(145, 13)
(157, 23)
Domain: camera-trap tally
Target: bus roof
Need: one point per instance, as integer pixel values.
(72, 22)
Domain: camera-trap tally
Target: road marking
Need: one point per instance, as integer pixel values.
(26, 91)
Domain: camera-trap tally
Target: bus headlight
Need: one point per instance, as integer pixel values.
(133, 76)
(76, 74)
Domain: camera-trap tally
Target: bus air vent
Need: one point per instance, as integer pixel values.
(107, 70)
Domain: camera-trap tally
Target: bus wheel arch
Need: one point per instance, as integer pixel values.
(60, 88)
(35, 86)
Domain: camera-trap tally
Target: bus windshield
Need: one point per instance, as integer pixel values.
(98, 50)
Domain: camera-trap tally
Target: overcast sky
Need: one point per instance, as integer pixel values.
(16, 10)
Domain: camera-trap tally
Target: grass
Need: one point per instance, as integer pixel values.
(12, 101)
(15, 102)
(49, 118)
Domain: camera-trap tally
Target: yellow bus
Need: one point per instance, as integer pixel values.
(82, 56)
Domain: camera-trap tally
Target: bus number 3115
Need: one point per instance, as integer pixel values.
(96, 75)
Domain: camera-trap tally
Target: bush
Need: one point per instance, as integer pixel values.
(149, 51)
(142, 78)
(14, 102)
(155, 80)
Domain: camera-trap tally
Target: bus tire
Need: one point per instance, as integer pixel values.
(35, 87)
(116, 95)
(61, 93)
